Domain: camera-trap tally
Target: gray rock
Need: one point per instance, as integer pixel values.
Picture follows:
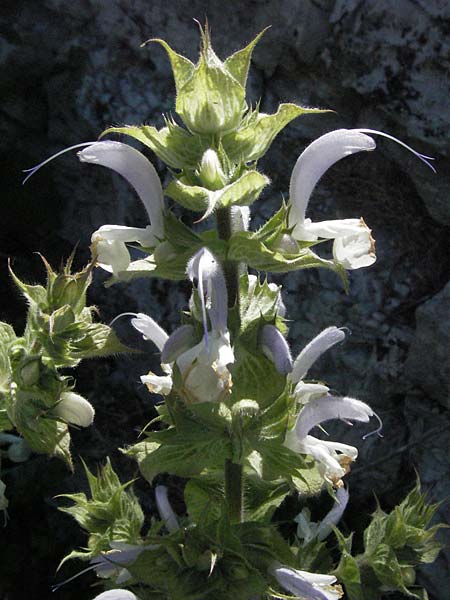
(428, 363)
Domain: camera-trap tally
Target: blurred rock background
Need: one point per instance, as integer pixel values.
(69, 69)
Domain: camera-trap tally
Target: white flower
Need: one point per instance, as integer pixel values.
(355, 250)
(333, 458)
(308, 530)
(203, 365)
(108, 242)
(353, 246)
(74, 409)
(308, 586)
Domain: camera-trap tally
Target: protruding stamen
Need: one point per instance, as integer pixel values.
(124, 314)
(33, 170)
(376, 431)
(420, 156)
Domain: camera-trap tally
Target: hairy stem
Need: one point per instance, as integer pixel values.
(230, 268)
(233, 471)
(234, 491)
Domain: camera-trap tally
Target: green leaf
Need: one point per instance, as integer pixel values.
(174, 145)
(182, 67)
(49, 437)
(238, 63)
(112, 513)
(255, 377)
(187, 456)
(387, 568)
(99, 340)
(241, 192)
(34, 294)
(5, 423)
(375, 532)
(253, 139)
(262, 498)
(204, 499)
(244, 246)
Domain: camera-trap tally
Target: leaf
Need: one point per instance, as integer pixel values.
(98, 340)
(238, 63)
(188, 457)
(255, 377)
(241, 192)
(262, 498)
(204, 499)
(182, 67)
(245, 247)
(252, 141)
(49, 437)
(174, 145)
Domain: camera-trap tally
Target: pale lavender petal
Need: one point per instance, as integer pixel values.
(204, 267)
(306, 585)
(319, 156)
(179, 341)
(334, 516)
(311, 352)
(276, 348)
(137, 170)
(150, 330)
(165, 510)
(330, 407)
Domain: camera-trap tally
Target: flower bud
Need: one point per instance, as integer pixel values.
(74, 409)
(210, 172)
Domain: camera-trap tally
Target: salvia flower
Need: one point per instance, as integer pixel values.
(109, 241)
(203, 365)
(308, 530)
(353, 246)
(311, 586)
(332, 458)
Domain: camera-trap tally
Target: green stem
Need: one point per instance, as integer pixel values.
(233, 471)
(233, 491)
(230, 268)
